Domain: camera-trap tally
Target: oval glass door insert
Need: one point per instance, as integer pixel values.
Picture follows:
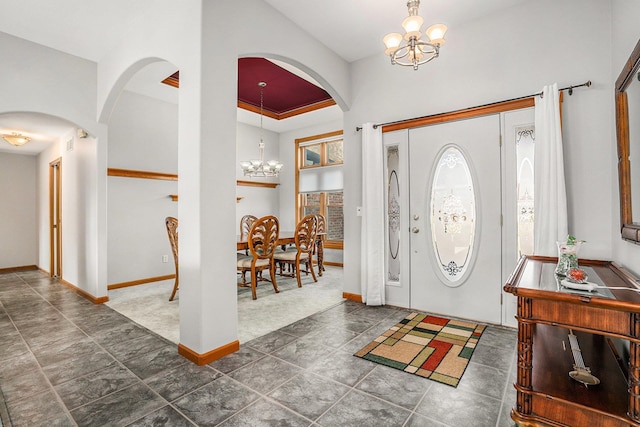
(453, 215)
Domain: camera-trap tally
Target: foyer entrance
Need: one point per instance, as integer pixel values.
(451, 211)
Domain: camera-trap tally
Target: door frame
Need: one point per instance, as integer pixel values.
(55, 218)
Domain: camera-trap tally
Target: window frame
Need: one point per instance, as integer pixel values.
(323, 140)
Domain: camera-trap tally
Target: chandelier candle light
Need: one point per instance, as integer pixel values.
(258, 168)
(414, 51)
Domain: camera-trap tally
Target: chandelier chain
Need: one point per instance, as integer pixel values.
(259, 168)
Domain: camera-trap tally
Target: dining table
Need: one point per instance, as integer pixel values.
(286, 238)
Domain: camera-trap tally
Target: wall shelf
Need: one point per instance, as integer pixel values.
(174, 198)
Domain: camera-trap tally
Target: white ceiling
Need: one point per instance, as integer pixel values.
(91, 28)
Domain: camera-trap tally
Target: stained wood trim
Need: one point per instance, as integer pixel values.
(629, 230)
(83, 293)
(18, 269)
(257, 184)
(334, 244)
(130, 173)
(140, 281)
(466, 113)
(210, 356)
(172, 81)
(352, 297)
(333, 264)
(287, 114)
(254, 109)
(174, 198)
(307, 109)
(321, 136)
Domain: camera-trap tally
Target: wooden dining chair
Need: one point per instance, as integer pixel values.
(305, 238)
(245, 225)
(262, 240)
(318, 249)
(172, 232)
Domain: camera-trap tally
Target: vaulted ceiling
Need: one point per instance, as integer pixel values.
(353, 29)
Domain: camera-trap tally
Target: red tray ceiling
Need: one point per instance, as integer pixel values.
(284, 93)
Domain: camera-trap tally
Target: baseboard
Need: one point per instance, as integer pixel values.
(18, 269)
(352, 297)
(140, 282)
(83, 293)
(333, 264)
(210, 356)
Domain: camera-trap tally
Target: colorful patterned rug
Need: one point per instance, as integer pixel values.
(432, 347)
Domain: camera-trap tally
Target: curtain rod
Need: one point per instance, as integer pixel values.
(568, 88)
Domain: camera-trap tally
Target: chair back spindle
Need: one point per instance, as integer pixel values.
(172, 231)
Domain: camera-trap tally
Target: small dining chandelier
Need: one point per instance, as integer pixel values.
(259, 168)
(414, 51)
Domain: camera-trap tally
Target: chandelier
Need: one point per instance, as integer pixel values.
(16, 139)
(259, 168)
(414, 51)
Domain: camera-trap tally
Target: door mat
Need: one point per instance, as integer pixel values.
(429, 346)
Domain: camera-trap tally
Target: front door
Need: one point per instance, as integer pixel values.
(455, 218)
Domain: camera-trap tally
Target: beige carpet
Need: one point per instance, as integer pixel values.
(149, 304)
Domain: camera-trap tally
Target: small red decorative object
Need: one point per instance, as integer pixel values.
(577, 275)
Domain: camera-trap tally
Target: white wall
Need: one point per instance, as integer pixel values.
(79, 210)
(137, 236)
(626, 33)
(257, 201)
(508, 54)
(143, 135)
(18, 241)
(47, 81)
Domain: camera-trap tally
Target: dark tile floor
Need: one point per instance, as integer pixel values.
(65, 362)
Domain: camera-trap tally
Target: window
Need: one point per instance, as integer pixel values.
(319, 183)
(525, 140)
(453, 215)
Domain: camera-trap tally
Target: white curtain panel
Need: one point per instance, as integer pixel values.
(372, 240)
(550, 200)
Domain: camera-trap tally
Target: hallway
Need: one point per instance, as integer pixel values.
(65, 362)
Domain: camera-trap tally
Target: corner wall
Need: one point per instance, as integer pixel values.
(18, 240)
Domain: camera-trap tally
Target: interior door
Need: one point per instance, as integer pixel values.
(55, 218)
(455, 218)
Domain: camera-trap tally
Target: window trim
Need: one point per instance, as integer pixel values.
(322, 140)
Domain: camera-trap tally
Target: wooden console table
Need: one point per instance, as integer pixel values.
(546, 395)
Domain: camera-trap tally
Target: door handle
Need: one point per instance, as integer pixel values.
(415, 230)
